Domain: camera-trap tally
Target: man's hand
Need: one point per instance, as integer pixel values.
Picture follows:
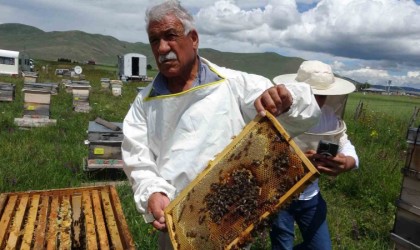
(331, 165)
(156, 204)
(276, 99)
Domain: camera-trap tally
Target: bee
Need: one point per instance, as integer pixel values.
(201, 219)
(191, 234)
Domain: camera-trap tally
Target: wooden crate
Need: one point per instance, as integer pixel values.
(74, 218)
(407, 222)
(260, 171)
(7, 91)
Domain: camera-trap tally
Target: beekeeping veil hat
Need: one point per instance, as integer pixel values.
(321, 78)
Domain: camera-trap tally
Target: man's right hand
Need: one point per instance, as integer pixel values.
(156, 204)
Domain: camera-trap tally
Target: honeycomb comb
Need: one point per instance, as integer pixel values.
(236, 194)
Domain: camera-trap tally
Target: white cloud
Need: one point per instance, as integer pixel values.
(413, 74)
(374, 39)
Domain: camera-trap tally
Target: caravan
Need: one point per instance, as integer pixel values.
(132, 66)
(13, 62)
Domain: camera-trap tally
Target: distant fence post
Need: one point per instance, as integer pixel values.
(359, 110)
(413, 116)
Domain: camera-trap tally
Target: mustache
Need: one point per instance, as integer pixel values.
(170, 56)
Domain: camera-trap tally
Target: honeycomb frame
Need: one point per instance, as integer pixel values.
(69, 218)
(239, 191)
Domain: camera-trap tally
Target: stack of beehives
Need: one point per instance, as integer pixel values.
(37, 100)
(7, 92)
(80, 91)
(406, 230)
(116, 87)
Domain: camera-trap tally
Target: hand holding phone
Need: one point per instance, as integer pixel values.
(327, 148)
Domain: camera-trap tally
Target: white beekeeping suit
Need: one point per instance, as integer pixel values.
(169, 139)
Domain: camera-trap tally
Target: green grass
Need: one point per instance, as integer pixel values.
(361, 202)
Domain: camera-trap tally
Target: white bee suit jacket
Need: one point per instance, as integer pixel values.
(169, 139)
(329, 128)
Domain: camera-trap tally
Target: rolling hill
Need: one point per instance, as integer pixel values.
(81, 47)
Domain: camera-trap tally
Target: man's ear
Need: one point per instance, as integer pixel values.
(194, 38)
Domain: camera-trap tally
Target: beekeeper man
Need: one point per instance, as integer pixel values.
(191, 111)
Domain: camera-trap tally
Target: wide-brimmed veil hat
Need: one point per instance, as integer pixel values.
(321, 78)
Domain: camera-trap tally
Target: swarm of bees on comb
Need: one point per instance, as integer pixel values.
(234, 198)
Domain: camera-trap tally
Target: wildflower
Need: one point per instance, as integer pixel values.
(374, 134)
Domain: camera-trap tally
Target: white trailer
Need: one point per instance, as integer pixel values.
(14, 62)
(132, 66)
(9, 62)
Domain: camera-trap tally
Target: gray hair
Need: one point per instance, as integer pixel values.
(158, 12)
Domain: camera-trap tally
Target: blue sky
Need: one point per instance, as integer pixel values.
(368, 40)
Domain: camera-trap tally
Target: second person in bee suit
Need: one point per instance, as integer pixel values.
(310, 210)
(191, 111)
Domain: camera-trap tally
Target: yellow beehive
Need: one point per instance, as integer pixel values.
(234, 197)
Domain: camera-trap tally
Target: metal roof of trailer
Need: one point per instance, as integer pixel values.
(9, 53)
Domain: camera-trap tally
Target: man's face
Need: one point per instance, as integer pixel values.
(320, 99)
(167, 36)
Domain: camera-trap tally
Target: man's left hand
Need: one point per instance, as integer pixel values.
(331, 165)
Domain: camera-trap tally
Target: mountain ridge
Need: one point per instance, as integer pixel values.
(103, 49)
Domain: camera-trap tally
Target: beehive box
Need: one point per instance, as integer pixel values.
(104, 146)
(400, 243)
(7, 91)
(239, 191)
(413, 151)
(407, 222)
(40, 96)
(36, 107)
(47, 87)
(105, 83)
(81, 97)
(76, 84)
(29, 77)
(116, 87)
(410, 191)
(75, 218)
(36, 110)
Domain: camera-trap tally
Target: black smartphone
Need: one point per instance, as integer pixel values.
(327, 148)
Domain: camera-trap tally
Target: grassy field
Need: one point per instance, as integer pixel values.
(361, 202)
